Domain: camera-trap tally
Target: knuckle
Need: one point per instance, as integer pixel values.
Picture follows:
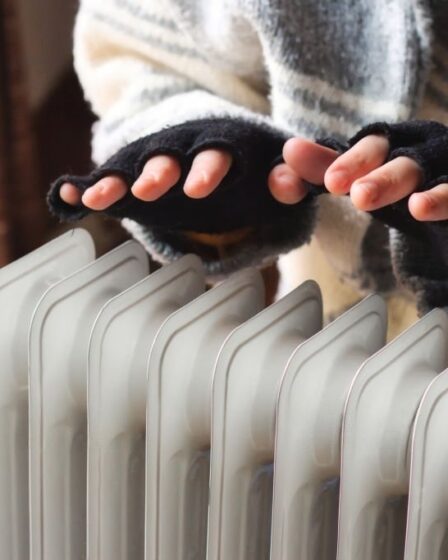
(387, 179)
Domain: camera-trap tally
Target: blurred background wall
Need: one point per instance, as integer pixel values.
(44, 123)
(46, 33)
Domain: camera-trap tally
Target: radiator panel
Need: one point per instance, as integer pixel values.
(180, 376)
(160, 422)
(22, 284)
(249, 370)
(118, 354)
(376, 439)
(427, 531)
(59, 338)
(307, 469)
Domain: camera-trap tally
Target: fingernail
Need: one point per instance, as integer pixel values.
(196, 181)
(429, 201)
(69, 195)
(370, 190)
(287, 190)
(287, 178)
(91, 189)
(151, 179)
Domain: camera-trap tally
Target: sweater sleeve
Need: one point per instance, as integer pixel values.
(155, 93)
(141, 72)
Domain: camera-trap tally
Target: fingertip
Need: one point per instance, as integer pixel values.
(199, 184)
(285, 186)
(208, 169)
(104, 193)
(159, 174)
(147, 187)
(288, 194)
(337, 181)
(364, 195)
(308, 159)
(421, 206)
(297, 148)
(70, 194)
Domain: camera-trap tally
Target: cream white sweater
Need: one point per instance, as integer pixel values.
(310, 67)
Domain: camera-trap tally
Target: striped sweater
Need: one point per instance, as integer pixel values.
(312, 68)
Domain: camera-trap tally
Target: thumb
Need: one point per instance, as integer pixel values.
(308, 159)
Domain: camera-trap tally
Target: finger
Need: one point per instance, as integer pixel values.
(365, 156)
(158, 176)
(285, 185)
(104, 193)
(387, 184)
(70, 194)
(207, 170)
(431, 205)
(309, 160)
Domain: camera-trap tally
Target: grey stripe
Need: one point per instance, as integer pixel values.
(311, 101)
(137, 11)
(146, 37)
(143, 97)
(310, 129)
(113, 125)
(437, 96)
(332, 108)
(159, 94)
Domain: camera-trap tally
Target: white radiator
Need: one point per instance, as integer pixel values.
(143, 418)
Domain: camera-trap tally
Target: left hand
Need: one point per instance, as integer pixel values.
(360, 172)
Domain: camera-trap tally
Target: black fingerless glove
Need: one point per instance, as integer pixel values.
(419, 249)
(242, 202)
(426, 142)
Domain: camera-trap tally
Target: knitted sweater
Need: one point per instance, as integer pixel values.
(314, 68)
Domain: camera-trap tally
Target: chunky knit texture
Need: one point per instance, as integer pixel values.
(305, 67)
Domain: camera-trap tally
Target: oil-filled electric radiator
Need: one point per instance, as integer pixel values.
(142, 417)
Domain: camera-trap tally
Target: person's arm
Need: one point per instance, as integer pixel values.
(141, 72)
(155, 93)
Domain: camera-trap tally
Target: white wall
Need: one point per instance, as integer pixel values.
(47, 35)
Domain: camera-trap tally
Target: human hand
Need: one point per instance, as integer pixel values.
(373, 184)
(362, 172)
(158, 176)
(222, 162)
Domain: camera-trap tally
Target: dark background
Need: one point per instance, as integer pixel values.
(45, 124)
